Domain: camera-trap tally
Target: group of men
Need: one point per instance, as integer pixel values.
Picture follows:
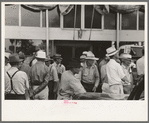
(44, 80)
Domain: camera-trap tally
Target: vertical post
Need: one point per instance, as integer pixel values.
(82, 16)
(117, 31)
(52, 47)
(47, 32)
(137, 20)
(40, 18)
(19, 14)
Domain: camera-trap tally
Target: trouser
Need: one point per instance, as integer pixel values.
(51, 86)
(15, 97)
(43, 95)
(88, 87)
(105, 88)
(116, 89)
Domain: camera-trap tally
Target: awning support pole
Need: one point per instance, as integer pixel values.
(47, 32)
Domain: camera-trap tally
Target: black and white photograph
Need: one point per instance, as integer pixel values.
(74, 61)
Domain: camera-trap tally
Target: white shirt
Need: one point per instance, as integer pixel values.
(140, 65)
(20, 81)
(53, 73)
(69, 86)
(114, 72)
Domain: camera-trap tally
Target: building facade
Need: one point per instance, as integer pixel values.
(78, 28)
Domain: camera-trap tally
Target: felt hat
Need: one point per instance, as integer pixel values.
(57, 56)
(14, 58)
(111, 51)
(41, 54)
(91, 56)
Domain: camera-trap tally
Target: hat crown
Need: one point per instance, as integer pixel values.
(41, 54)
(91, 56)
(110, 50)
(125, 56)
(14, 58)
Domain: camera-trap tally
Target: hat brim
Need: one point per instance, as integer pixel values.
(40, 57)
(111, 54)
(92, 58)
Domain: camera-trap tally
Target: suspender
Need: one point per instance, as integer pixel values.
(11, 81)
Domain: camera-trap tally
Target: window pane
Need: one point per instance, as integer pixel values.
(88, 18)
(141, 21)
(129, 21)
(54, 18)
(110, 21)
(30, 17)
(12, 15)
(69, 18)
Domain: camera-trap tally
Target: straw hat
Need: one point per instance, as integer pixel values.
(111, 51)
(82, 56)
(91, 56)
(41, 55)
(14, 58)
(125, 56)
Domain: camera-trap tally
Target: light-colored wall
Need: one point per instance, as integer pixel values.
(16, 32)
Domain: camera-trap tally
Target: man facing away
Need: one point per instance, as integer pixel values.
(115, 73)
(16, 82)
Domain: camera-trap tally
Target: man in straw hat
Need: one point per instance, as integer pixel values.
(39, 76)
(89, 75)
(125, 63)
(115, 73)
(16, 82)
(70, 85)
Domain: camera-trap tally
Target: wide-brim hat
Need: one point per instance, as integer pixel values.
(41, 54)
(83, 56)
(91, 56)
(14, 58)
(125, 56)
(111, 51)
(74, 63)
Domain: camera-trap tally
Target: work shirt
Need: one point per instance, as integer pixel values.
(114, 72)
(19, 80)
(60, 68)
(26, 68)
(128, 73)
(69, 86)
(140, 65)
(104, 78)
(53, 73)
(7, 67)
(39, 72)
(90, 75)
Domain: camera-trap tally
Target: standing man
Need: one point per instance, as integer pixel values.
(89, 75)
(39, 74)
(57, 63)
(125, 63)
(140, 64)
(115, 73)
(16, 82)
(7, 65)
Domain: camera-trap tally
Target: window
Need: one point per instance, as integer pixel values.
(69, 18)
(12, 15)
(30, 17)
(88, 18)
(129, 21)
(54, 18)
(110, 21)
(141, 21)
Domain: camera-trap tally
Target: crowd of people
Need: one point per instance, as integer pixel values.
(46, 78)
